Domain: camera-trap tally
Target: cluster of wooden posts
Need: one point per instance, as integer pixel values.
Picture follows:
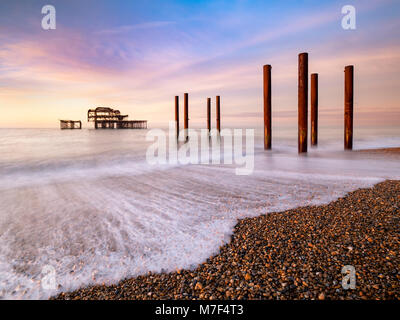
(303, 106)
(186, 114)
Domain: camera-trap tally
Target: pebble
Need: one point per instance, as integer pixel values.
(304, 248)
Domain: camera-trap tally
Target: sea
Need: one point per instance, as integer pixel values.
(82, 207)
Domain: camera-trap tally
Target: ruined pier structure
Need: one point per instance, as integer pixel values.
(107, 118)
(70, 124)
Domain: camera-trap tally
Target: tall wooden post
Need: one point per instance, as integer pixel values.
(177, 116)
(208, 114)
(218, 108)
(267, 106)
(186, 114)
(314, 109)
(348, 107)
(303, 102)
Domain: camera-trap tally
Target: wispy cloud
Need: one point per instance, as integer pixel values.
(141, 67)
(134, 27)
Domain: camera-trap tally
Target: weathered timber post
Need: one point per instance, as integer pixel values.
(218, 109)
(177, 116)
(314, 109)
(209, 114)
(348, 107)
(303, 102)
(267, 106)
(186, 115)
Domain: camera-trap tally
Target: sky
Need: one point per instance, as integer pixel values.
(137, 55)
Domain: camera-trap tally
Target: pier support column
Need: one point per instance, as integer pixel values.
(186, 115)
(267, 107)
(209, 114)
(314, 109)
(303, 102)
(218, 109)
(177, 116)
(348, 107)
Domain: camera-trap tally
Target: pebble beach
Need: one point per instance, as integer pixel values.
(295, 254)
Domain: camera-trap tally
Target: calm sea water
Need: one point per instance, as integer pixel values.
(86, 202)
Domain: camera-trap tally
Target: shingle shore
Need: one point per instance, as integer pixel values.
(296, 254)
